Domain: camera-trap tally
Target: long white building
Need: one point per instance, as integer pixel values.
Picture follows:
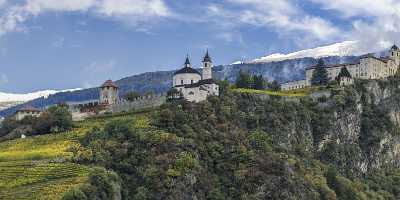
(368, 67)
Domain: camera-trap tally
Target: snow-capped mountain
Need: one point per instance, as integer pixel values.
(9, 99)
(347, 48)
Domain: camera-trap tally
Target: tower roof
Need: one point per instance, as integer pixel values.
(187, 70)
(394, 47)
(187, 62)
(109, 83)
(207, 57)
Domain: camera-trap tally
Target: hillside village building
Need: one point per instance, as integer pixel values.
(369, 67)
(193, 85)
(27, 111)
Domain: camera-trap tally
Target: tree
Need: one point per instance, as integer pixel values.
(131, 96)
(259, 82)
(274, 85)
(244, 80)
(62, 118)
(8, 125)
(320, 74)
(74, 194)
(343, 73)
(223, 86)
(55, 119)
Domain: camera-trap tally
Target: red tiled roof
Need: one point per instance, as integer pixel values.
(29, 109)
(109, 83)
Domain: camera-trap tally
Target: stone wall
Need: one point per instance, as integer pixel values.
(139, 103)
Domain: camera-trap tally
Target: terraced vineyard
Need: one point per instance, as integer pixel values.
(39, 167)
(39, 179)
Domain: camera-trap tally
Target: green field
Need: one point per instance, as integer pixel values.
(40, 167)
(291, 93)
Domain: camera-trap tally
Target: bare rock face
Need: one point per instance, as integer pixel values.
(372, 139)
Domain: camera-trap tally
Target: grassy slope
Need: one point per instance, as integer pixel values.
(39, 167)
(291, 93)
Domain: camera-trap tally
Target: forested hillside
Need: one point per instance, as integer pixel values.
(252, 146)
(245, 144)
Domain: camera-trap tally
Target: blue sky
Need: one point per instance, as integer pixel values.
(79, 43)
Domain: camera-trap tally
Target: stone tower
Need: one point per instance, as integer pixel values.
(207, 67)
(109, 93)
(395, 54)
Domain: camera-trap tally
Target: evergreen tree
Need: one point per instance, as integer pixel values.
(343, 73)
(259, 82)
(244, 80)
(320, 74)
(274, 85)
(223, 87)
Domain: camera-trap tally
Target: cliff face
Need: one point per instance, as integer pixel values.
(356, 129)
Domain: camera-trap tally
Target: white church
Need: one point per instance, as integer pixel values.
(193, 85)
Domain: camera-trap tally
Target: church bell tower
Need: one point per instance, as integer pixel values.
(207, 67)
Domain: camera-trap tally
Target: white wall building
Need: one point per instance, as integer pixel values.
(294, 85)
(369, 67)
(27, 111)
(196, 87)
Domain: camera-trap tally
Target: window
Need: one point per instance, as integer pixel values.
(181, 82)
(191, 81)
(191, 93)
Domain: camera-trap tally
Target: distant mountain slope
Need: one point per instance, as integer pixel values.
(160, 82)
(10, 97)
(346, 48)
(8, 100)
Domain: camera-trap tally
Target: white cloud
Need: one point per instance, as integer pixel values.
(2, 3)
(352, 8)
(283, 16)
(131, 11)
(376, 24)
(133, 7)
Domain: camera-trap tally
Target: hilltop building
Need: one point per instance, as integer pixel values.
(193, 85)
(109, 93)
(368, 67)
(27, 111)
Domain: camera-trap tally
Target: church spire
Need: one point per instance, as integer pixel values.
(187, 62)
(207, 57)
